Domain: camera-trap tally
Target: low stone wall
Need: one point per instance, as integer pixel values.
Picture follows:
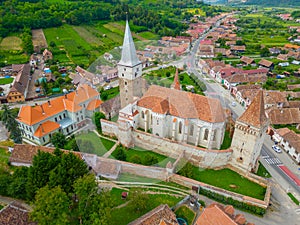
(198, 156)
(246, 199)
(109, 128)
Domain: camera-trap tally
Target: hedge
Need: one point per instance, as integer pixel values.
(230, 201)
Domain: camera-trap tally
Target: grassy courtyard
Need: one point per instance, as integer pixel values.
(141, 156)
(4, 156)
(186, 214)
(262, 171)
(6, 80)
(91, 143)
(228, 180)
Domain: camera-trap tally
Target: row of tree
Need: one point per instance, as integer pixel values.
(63, 190)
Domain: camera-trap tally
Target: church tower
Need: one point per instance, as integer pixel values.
(129, 71)
(249, 134)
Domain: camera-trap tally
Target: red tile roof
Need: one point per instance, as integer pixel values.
(182, 104)
(46, 128)
(255, 114)
(32, 115)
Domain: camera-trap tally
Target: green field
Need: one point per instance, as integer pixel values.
(6, 80)
(140, 156)
(91, 143)
(228, 180)
(262, 171)
(11, 43)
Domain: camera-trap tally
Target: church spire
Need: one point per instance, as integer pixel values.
(129, 56)
(176, 83)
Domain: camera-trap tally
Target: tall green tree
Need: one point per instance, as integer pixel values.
(139, 200)
(58, 139)
(51, 207)
(96, 120)
(90, 205)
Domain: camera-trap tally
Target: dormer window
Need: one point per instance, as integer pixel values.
(124, 69)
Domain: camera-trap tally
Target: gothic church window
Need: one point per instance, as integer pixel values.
(180, 127)
(206, 134)
(192, 130)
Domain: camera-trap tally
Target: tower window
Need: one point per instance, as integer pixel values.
(124, 69)
(135, 74)
(125, 82)
(143, 115)
(122, 74)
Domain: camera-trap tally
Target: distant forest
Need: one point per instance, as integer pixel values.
(274, 2)
(157, 16)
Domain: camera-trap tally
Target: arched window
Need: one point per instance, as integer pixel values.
(192, 130)
(206, 134)
(180, 127)
(214, 135)
(143, 115)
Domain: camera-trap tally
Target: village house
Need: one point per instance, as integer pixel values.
(215, 214)
(266, 63)
(23, 154)
(108, 73)
(226, 72)
(161, 215)
(247, 61)
(282, 57)
(284, 116)
(64, 114)
(292, 47)
(47, 55)
(237, 49)
(19, 89)
(15, 213)
(206, 51)
(275, 99)
(90, 77)
(289, 141)
(274, 51)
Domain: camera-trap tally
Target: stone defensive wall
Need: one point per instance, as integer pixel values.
(242, 198)
(200, 157)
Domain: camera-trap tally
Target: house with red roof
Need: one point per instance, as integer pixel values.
(62, 114)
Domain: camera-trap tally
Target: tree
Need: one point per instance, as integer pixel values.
(58, 139)
(69, 169)
(9, 121)
(139, 200)
(96, 120)
(90, 206)
(51, 207)
(187, 170)
(264, 52)
(150, 160)
(120, 154)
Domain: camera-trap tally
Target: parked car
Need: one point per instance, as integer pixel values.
(276, 149)
(233, 104)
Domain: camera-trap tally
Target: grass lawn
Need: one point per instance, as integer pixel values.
(142, 154)
(149, 35)
(11, 43)
(111, 93)
(116, 195)
(125, 215)
(229, 180)
(134, 178)
(91, 143)
(4, 156)
(262, 171)
(296, 201)
(186, 214)
(227, 141)
(6, 80)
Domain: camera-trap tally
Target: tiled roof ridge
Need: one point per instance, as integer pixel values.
(255, 113)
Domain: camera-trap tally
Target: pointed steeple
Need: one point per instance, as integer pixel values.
(129, 56)
(255, 114)
(176, 83)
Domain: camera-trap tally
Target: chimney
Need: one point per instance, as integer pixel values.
(42, 109)
(49, 103)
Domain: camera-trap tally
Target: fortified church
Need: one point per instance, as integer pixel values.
(171, 116)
